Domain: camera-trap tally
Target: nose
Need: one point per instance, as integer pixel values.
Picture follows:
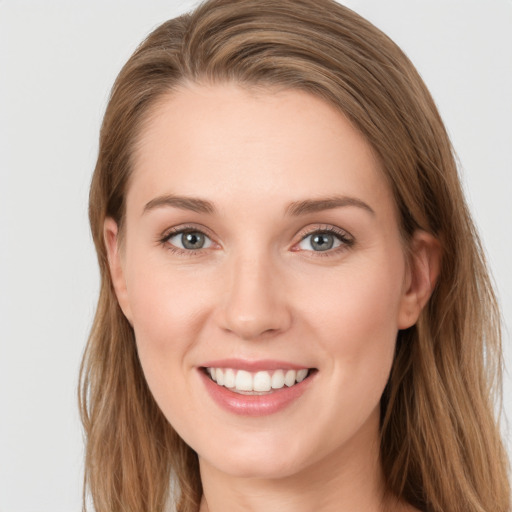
(254, 304)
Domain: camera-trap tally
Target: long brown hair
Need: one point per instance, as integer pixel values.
(440, 443)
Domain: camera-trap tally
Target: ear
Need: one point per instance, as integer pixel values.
(423, 270)
(111, 237)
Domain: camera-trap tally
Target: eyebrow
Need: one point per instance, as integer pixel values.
(329, 203)
(183, 202)
(294, 209)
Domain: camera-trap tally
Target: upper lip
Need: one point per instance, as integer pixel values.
(253, 365)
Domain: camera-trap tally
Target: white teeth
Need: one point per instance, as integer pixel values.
(278, 379)
(301, 375)
(229, 378)
(243, 381)
(259, 382)
(262, 382)
(289, 378)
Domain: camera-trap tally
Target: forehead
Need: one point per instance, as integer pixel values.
(230, 142)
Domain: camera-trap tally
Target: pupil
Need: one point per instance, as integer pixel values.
(192, 240)
(322, 242)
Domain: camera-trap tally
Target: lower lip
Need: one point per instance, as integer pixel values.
(254, 405)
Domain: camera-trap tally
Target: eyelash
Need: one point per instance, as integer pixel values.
(347, 241)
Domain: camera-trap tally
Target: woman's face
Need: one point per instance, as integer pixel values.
(261, 244)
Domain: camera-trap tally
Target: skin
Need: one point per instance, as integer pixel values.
(258, 290)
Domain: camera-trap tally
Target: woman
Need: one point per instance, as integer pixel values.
(294, 307)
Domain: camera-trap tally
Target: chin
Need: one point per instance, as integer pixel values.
(255, 462)
(267, 469)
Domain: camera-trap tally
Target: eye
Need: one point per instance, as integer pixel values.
(189, 240)
(324, 240)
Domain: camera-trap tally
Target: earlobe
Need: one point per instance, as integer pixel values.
(423, 270)
(111, 237)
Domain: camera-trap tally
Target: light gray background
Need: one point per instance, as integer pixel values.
(58, 60)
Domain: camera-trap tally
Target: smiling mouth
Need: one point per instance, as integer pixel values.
(257, 383)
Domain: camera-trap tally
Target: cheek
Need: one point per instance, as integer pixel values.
(362, 300)
(355, 319)
(165, 312)
(164, 302)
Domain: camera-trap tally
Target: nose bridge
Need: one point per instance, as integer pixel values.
(255, 302)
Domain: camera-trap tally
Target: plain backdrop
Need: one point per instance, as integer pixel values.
(58, 60)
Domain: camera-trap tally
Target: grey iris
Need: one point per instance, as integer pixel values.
(193, 240)
(322, 242)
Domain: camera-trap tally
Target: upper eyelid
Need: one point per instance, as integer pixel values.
(303, 233)
(183, 228)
